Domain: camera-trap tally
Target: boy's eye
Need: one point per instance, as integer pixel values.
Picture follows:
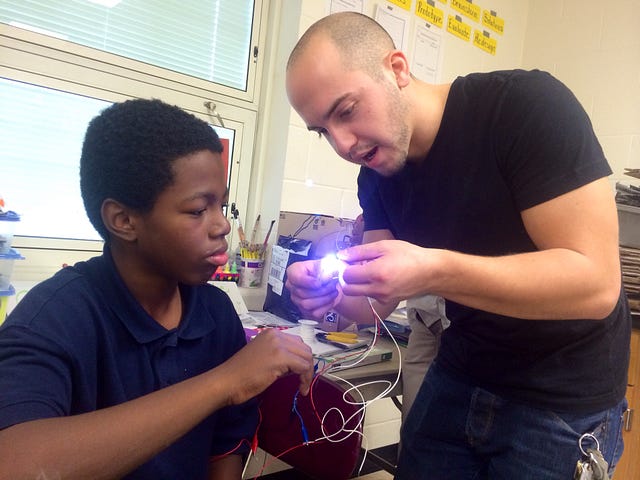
(199, 212)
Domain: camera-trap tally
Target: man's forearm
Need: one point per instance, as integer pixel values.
(357, 309)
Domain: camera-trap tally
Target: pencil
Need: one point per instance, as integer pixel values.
(255, 229)
(240, 230)
(266, 239)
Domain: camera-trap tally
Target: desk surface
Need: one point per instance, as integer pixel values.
(386, 371)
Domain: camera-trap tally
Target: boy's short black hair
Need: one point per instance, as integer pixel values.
(129, 150)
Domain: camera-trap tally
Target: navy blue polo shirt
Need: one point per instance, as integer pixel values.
(79, 342)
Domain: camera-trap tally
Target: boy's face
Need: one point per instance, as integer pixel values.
(183, 237)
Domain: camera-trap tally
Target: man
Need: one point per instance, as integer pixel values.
(492, 193)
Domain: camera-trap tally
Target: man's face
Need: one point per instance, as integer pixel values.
(364, 119)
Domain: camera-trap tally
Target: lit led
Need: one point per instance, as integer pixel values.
(331, 267)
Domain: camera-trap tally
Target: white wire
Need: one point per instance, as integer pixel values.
(330, 437)
(246, 464)
(353, 388)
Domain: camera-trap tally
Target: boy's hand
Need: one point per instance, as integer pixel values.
(270, 355)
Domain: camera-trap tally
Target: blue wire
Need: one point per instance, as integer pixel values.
(294, 409)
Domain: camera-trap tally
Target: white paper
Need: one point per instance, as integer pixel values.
(231, 289)
(426, 54)
(346, 6)
(394, 22)
(277, 268)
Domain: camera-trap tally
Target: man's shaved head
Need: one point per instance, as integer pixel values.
(361, 41)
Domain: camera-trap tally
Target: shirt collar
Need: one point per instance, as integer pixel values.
(196, 322)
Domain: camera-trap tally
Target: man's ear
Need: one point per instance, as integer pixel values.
(397, 61)
(118, 219)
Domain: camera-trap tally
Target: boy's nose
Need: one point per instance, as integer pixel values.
(220, 226)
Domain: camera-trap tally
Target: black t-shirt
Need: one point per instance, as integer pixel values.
(508, 141)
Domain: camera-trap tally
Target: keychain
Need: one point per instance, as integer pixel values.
(594, 466)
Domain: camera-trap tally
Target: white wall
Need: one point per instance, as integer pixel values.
(594, 48)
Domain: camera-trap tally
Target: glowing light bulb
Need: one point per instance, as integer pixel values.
(331, 267)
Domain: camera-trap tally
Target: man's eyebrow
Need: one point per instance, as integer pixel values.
(329, 112)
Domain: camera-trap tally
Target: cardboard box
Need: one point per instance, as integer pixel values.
(327, 235)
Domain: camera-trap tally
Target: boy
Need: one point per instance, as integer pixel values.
(129, 364)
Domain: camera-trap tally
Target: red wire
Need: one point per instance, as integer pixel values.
(253, 445)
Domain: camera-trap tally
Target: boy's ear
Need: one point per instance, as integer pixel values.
(118, 219)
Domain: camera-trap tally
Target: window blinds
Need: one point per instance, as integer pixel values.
(208, 39)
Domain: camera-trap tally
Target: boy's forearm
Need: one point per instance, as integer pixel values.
(107, 443)
(227, 468)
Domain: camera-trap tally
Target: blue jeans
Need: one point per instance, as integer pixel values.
(460, 432)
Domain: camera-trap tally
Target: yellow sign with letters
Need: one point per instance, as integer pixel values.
(491, 20)
(457, 27)
(483, 41)
(466, 8)
(406, 4)
(431, 14)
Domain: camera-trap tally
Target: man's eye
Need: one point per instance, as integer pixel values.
(199, 212)
(346, 112)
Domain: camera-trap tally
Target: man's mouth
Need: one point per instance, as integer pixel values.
(369, 155)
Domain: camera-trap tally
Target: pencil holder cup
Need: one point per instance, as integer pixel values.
(251, 272)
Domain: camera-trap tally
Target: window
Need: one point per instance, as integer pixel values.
(52, 124)
(208, 39)
(56, 74)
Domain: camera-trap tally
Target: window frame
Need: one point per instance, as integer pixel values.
(42, 60)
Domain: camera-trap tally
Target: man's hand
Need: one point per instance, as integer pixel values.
(386, 270)
(310, 290)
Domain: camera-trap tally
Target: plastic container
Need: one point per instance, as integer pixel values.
(4, 300)
(6, 267)
(629, 220)
(8, 222)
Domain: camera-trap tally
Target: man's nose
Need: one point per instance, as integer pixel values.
(343, 142)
